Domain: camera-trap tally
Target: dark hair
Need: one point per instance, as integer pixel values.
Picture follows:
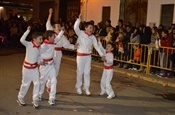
(56, 22)
(87, 24)
(36, 34)
(120, 20)
(111, 44)
(161, 26)
(49, 33)
(109, 21)
(92, 21)
(165, 31)
(137, 32)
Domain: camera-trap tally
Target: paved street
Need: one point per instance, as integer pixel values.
(134, 96)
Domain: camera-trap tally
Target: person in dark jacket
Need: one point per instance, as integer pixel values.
(145, 39)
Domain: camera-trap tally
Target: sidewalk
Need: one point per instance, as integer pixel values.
(132, 73)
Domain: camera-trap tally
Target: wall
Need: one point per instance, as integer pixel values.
(154, 10)
(93, 10)
(37, 11)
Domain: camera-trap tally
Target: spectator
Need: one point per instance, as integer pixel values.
(136, 59)
(145, 39)
(14, 34)
(166, 41)
(154, 49)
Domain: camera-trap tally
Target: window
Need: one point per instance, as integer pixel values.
(106, 13)
(167, 15)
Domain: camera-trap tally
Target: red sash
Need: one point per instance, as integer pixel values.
(47, 60)
(30, 65)
(58, 48)
(82, 54)
(108, 67)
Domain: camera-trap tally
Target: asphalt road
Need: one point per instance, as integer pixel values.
(134, 96)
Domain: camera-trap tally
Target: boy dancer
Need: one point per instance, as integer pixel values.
(63, 42)
(47, 71)
(107, 71)
(85, 40)
(30, 70)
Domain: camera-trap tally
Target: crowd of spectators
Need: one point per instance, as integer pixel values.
(120, 35)
(157, 40)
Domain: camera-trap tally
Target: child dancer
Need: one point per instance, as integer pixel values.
(47, 71)
(63, 42)
(107, 71)
(30, 70)
(85, 40)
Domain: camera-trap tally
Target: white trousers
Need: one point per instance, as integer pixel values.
(28, 76)
(48, 72)
(106, 82)
(83, 67)
(57, 62)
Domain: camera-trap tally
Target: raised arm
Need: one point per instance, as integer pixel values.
(76, 26)
(48, 23)
(66, 43)
(97, 47)
(23, 38)
(100, 45)
(60, 35)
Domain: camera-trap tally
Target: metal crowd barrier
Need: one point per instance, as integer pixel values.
(150, 57)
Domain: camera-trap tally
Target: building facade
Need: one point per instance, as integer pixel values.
(148, 12)
(160, 12)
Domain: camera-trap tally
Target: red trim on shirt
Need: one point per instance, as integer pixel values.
(34, 45)
(46, 41)
(87, 33)
(56, 33)
(109, 52)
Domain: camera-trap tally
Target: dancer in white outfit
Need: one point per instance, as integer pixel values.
(63, 42)
(107, 71)
(85, 41)
(30, 72)
(47, 71)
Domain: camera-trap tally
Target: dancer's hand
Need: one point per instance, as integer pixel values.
(76, 45)
(42, 63)
(29, 28)
(103, 58)
(63, 28)
(80, 16)
(50, 10)
(99, 39)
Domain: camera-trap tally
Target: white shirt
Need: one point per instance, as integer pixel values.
(63, 42)
(32, 50)
(85, 41)
(109, 57)
(47, 49)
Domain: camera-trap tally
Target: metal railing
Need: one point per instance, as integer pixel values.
(149, 56)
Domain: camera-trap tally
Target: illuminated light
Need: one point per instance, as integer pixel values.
(1, 7)
(31, 9)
